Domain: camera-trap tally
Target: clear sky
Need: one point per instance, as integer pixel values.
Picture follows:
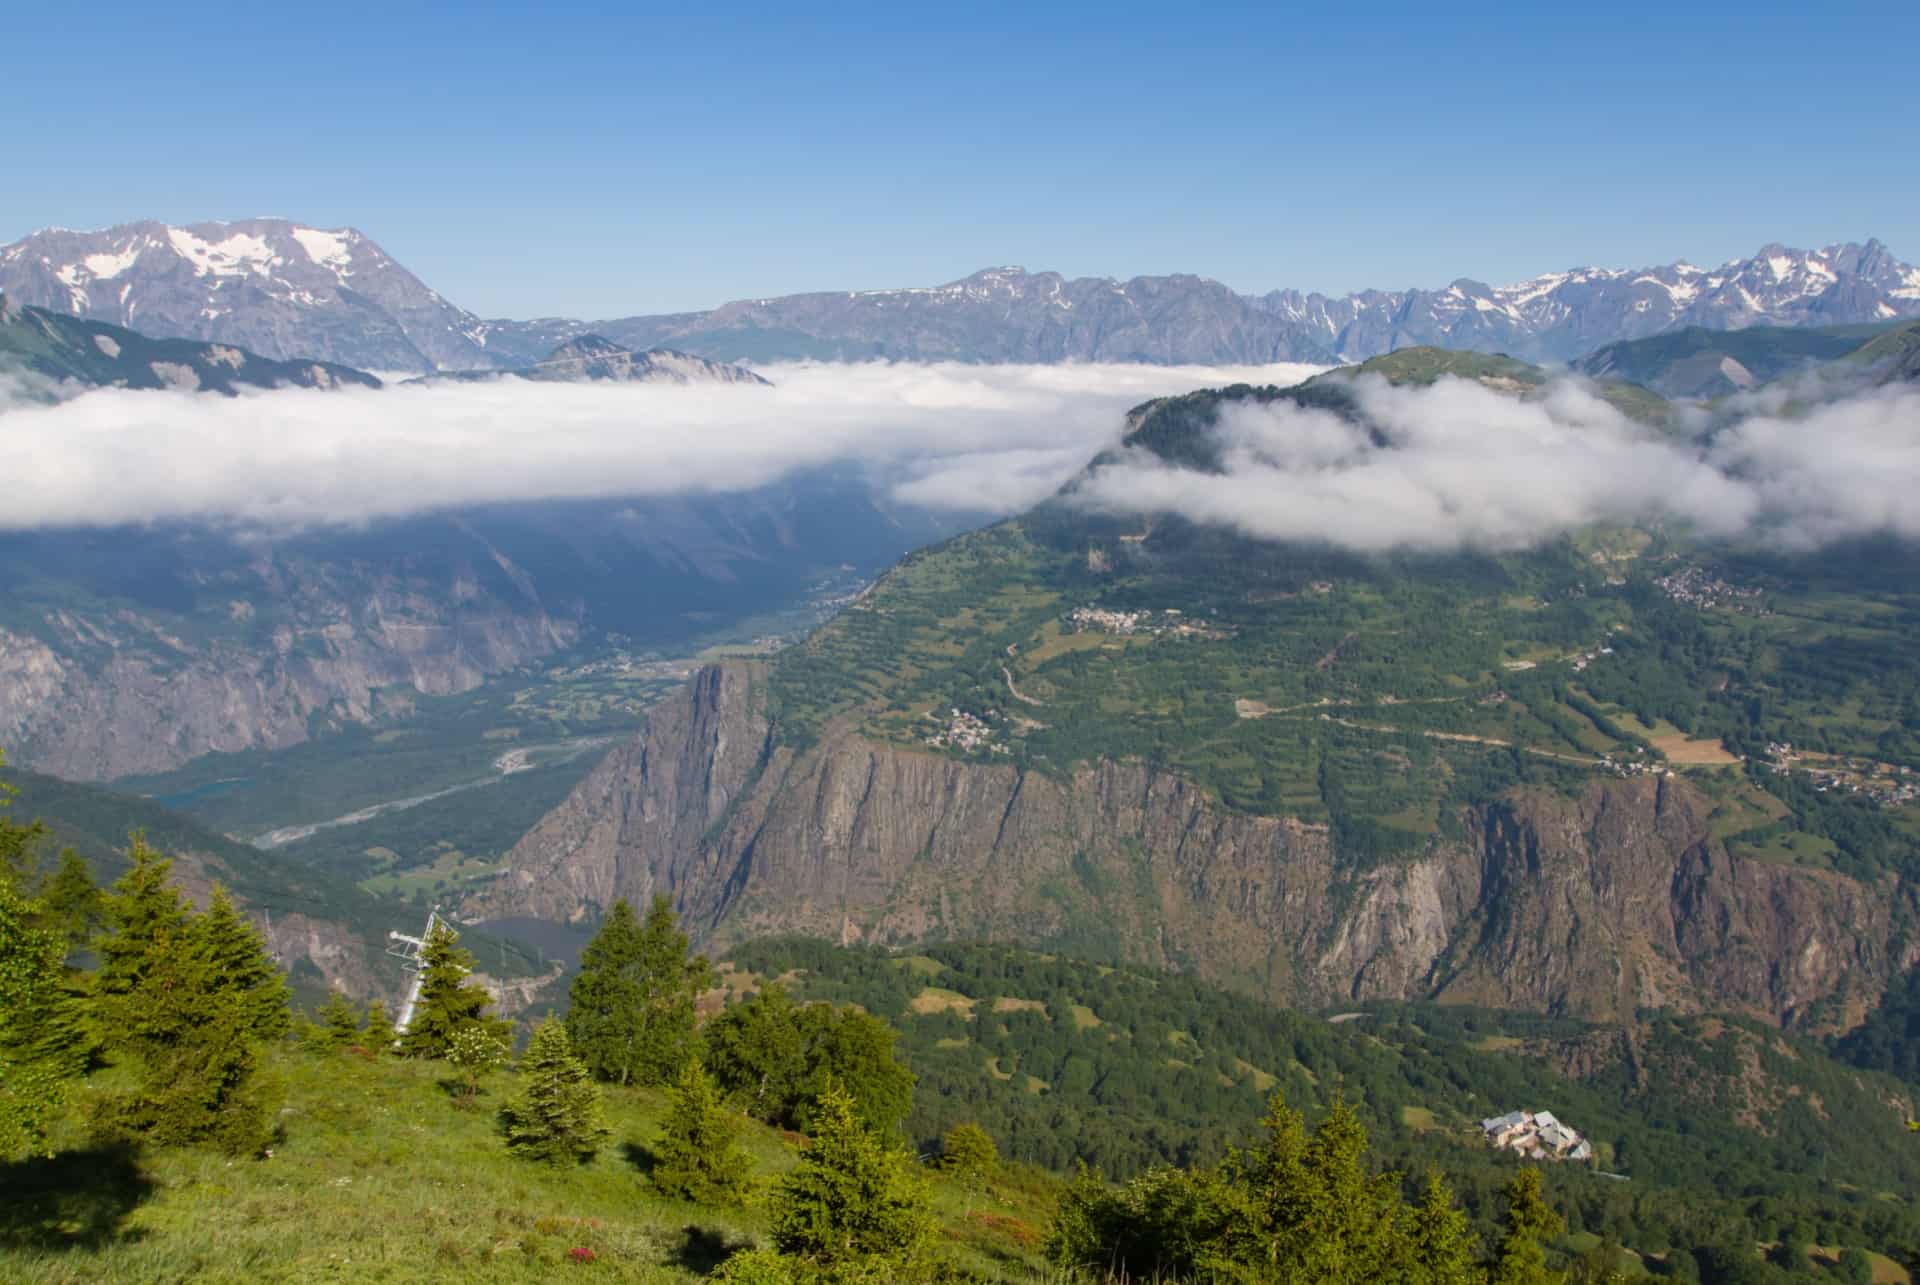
(605, 160)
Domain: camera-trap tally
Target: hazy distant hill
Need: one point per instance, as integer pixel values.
(593, 359)
(1698, 362)
(94, 354)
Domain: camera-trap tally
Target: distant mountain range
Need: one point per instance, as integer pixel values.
(286, 291)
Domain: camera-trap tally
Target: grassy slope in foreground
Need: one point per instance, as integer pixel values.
(380, 1177)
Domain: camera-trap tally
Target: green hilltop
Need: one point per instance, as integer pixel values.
(1376, 693)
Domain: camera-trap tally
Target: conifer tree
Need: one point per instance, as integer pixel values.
(72, 900)
(556, 1117)
(697, 1156)
(631, 1009)
(377, 1032)
(448, 1001)
(33, 1076)
(240, 963)
(1521, 1258)
(192, 1033)
(338, 1021)
(1442, 1248)
(144, 912)
(851, 1198)
(16, 841)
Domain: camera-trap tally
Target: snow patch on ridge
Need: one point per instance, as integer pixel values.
(237, 256)
(105, 267)
(328, 249)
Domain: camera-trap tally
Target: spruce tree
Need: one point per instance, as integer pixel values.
(377, 1033)
(16, 841)
(1522, 1258)
(631, 1012)
(192, 1034)
(851, 1198)
(556, 1117)
(697, 1156)
(33, 1076)
(144, 912)
(73, 903)
(448, 1001)
(240, 964)
(338, 1022)
(1442, 1249)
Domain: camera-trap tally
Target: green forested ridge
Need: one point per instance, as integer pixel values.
(1375, 694)
(1125, 1069)
(1688, 362)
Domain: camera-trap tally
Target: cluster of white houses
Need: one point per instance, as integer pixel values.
(1537, 1135)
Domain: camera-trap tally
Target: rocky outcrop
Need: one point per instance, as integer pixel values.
(1592, 905)
(93, 695)
(592, 359)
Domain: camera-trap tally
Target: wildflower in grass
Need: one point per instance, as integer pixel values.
(475, 1051)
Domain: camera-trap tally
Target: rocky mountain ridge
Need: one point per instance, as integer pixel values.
(66, 352)
(1009, 314)
(595, 359)
(272, 286)
(1596, 906)
(288, 291)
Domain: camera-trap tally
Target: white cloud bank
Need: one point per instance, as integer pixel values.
(989, 439)
(1455, 465)
(1462, 466)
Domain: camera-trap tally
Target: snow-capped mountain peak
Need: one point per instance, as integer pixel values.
(280, 288)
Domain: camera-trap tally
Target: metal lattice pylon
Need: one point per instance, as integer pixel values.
(407, 949)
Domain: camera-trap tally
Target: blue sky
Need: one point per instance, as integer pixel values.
(599, 161)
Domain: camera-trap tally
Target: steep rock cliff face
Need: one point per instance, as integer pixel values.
(1591, 906)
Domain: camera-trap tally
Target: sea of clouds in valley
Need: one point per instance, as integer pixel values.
(1454, 465)
(1458, 465)
(988, 439)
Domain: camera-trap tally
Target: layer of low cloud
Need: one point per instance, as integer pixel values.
(1458, 465)
(985, 439)
(1454, 465)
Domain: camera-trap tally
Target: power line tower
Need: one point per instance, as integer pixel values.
(407, 950)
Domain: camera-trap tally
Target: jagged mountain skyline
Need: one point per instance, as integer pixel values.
(289, 290)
